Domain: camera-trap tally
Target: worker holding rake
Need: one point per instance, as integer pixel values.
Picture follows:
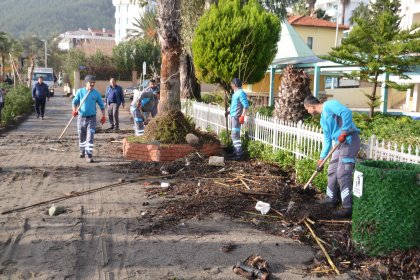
(86, 121)
(338, 127)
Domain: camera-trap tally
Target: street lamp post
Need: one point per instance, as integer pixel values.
(45, 47)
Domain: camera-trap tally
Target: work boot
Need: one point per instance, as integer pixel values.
(89, 159)
(343, 213)
(328, 202)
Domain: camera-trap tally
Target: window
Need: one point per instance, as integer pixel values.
(309, 42)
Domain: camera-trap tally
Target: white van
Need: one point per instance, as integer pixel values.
(47, 74)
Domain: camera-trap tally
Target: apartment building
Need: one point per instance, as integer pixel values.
(126, 12)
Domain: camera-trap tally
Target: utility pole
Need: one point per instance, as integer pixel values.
(45, 47)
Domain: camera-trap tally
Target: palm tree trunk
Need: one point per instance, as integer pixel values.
(169, 37)
(190, 88)
(2, 64)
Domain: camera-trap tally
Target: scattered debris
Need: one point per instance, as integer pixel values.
(164, 185)
(56, 210)
(254, 267)
(228, 247)
(216, 161)
(263, 207)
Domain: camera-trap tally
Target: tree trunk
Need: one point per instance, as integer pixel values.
(169, 36)
(373, 99)
(190, 88)
(295, 86)
(2, 64)
(32, 66)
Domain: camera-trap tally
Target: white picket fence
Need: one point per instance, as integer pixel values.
(298, 138)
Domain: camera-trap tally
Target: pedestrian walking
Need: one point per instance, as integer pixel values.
(41, 94)
(86, 121)
(142, 104)
(114, 98)
(338, 127)
(2, 99)
(238, 108)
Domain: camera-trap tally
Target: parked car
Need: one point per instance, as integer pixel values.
(128, 92)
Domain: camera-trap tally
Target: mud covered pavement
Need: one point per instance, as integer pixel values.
(197, 228)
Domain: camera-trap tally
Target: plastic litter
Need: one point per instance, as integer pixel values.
(263, 207)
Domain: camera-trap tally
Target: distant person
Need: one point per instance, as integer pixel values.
(2, 99)
(114, 98)
(8, 80)
(237, 111)
(86, 121)
(338, 127)
(60, 79)
(41, 94)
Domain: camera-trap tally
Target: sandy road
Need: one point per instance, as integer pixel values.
(101, 234)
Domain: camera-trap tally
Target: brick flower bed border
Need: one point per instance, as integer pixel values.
(164, 152)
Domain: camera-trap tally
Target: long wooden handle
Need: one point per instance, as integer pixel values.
(322, 164)
(72, 117)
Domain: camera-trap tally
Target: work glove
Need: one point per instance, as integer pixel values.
(103, 119)
(241, 119)
(319, 167)
(342, 137)
(74, 113)
(227, 114)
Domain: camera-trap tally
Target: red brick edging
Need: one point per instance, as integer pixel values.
(163, 152)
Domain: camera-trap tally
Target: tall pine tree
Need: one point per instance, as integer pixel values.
(378, 45)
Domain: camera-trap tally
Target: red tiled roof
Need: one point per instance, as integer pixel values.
(311, 21)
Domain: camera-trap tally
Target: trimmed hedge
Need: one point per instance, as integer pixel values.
(387, 215)
(17, 102)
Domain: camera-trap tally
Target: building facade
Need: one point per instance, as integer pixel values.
(88, 40)
(126, 12)
(320, 35)
(410, 13)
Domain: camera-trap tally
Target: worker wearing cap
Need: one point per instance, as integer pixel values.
(86, 121)
(238, 108)
(338, 127)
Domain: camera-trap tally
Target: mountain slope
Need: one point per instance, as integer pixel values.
(47, 17)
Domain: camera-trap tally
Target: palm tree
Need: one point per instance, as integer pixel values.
(33, 48)
(145, 26)
(295, 86)
(5, 46)
(170, 41)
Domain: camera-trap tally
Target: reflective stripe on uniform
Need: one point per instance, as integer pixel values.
(329, 193)
(344, 193)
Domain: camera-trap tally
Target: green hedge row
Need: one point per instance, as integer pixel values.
(387, 215)
(17, 102)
